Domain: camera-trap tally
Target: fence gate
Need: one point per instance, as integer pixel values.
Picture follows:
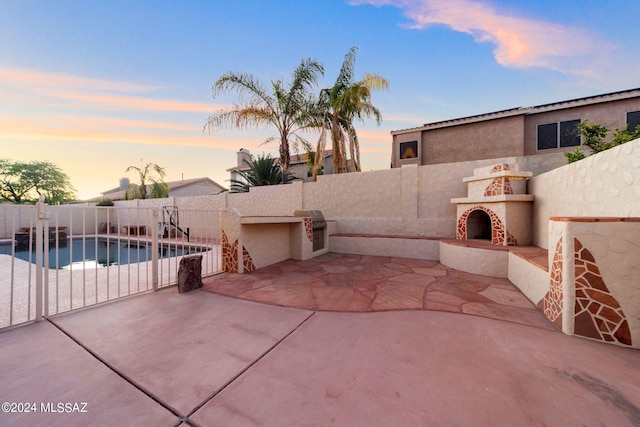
(55, 259)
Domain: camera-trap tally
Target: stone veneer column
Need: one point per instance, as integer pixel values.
(232, 257)
(595, 264)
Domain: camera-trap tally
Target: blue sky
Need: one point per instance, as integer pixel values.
(96, 86)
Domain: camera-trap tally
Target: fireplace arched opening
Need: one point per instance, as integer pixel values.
(479, 225)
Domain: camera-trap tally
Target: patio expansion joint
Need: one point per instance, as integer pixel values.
(118, 373)
(249, 366)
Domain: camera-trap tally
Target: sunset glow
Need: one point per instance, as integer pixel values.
(94, 90)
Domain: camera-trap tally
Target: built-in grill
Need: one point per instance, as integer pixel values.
(318, 224)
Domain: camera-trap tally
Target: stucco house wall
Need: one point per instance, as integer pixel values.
(200, 188)
(396, 161)
(609, 114)
(511, 132)
(482, 140)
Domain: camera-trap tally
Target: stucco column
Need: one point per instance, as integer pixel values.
(409, 194)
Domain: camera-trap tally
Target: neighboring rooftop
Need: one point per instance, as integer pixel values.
(294, 160)
(188, 187)
(589, 100)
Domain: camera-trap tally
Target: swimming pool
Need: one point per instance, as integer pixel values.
(99, 252)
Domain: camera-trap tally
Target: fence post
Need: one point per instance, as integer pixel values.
(41, 223)
(154, 250)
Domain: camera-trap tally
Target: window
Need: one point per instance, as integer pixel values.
(569, 133)
(409, 150)
(548, 136)
(560, 134)
(633, 120)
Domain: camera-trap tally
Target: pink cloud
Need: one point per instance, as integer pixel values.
(30, 87)
(32, 78)
(25, 129)
(519, 41)
(136, 103)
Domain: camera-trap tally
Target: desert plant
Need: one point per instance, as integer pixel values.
(622, 136)
(594, 135)
(263, 170)
(575, 155)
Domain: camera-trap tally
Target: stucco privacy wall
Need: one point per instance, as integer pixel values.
(438, 184)
(412, 200)
(605, 184)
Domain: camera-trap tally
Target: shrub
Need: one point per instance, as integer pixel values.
(105, 202)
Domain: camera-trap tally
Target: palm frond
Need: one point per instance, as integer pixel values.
(263, 170)
(289, 108)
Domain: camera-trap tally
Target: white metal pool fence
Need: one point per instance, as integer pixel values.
(73, 257)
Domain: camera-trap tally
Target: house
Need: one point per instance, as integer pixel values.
(548, 128)
(297, 165)
(183, 188)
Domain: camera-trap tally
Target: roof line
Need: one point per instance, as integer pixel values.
(606, 97)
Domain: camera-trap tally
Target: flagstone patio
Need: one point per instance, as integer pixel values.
(360, 283)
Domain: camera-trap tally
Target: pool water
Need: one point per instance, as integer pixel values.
(98, 252)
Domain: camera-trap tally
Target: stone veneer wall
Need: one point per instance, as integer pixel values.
(605, 184)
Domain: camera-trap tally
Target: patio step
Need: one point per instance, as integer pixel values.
(525, 266)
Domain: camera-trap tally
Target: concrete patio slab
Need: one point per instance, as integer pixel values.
(40, 365)
(181, 348)
(417, 368)
(215, 360)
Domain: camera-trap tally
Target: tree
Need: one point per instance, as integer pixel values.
(340, 105)
(263, 170)
(594, 135)
(622, 136)
(146, 175)
(310, 159)
(12, 188)
(22, 182)
(287, 108)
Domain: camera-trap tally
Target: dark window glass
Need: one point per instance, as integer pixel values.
(409, 150)
(569, 134)
(633, 120)
(547, 136)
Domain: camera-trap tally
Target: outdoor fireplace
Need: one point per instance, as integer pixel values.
(497, 208)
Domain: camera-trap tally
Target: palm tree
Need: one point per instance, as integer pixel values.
(263, 170)
(159, 188)
(286, 108)
(345, 101)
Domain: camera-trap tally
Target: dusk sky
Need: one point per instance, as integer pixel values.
(96, 86)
